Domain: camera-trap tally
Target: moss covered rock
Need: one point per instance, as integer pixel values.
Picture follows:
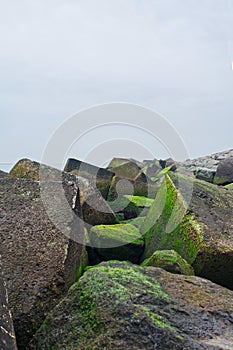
(167, 226)
(120, 187)
(205, 174)
(124, 208)
(125, 168)
(224, 173)
(213, 206)
(138, 222)
(120, 306)
(121, 242)
(229, 186)
(169, 260)
(140, 201)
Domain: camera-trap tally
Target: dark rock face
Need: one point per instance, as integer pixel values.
(101, 177)
(168, 163)
(39, 261)
(3, 174)
(224, 173)
(122, 306)
(142, 186)
(95, 209)
(7, 334)
(205, 174)
(152, 168)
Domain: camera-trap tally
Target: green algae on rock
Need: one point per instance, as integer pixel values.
(213, 206)
(230, 186)
(170, 261)
(127, 169)
(138, 222)
(124, 208)
(140, 201)
(167, 226)
(117, 305)
(120, 241)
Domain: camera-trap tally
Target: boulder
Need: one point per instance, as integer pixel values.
(121, 242)
(29, 169)
(40, 262)
(170, 261)
(115, 162)
(168, 226)
(212, 206)
(126, 169)
(205, 174)
(151, 168)
(95, 209)
(124, 209)
(209, 161)
(131, 207)
(101, 177)
(122, 306)
(142, 186)
(224, 173)
(142, 203)
(7, 334)
(169, 162)
(137, 222)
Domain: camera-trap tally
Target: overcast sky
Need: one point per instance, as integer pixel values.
(60, 56)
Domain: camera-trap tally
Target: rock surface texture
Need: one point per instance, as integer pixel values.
(157, 268)
(3, 173)
(39, 261)
(95, 209)
(101, 177)
(121, 306)
(7, 334)
(170, 261)
(121, 242)
(224, 173)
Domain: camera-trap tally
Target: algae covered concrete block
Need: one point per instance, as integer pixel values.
(168, 226)
(121, 242)
(212, 206)
(170, 261)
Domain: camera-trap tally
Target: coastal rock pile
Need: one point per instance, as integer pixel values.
(115, 258)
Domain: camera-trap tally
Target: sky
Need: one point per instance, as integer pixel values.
(58, 57)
